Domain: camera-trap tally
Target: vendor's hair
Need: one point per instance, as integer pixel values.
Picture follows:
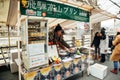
(57, 28)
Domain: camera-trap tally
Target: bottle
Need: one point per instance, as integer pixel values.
(78, 52)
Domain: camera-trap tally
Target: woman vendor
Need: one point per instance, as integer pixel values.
(56, 37)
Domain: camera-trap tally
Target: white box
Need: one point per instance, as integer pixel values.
(13, 67)
(14, 54)
(98, 70)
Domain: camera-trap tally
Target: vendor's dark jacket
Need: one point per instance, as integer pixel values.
(56, 39)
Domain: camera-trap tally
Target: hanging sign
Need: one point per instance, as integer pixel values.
(44, 8)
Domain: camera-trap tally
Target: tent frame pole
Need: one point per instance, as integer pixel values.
(18, 42)
(9, 42)
(89, 54)
(114, 26)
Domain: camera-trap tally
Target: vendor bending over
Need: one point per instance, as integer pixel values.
(56, 37)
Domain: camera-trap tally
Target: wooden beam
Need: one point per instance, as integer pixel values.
(2, 21)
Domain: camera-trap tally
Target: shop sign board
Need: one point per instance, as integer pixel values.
(45, 8)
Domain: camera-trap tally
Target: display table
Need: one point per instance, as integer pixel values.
(62, 71)
(71, 66)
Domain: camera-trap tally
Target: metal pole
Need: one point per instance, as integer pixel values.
(89, 55)
(114, 26)
(18, 34)
(9, 42)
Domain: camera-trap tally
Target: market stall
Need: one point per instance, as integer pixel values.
(36, 53)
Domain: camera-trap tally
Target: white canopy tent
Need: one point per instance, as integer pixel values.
(112, 6)
(8, 14)
(12, 16)
(99, 15)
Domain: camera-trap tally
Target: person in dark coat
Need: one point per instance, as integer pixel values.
(96, 43)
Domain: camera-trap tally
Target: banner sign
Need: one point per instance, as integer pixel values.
(45, 8)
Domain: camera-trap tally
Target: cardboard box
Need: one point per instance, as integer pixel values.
(14, 56)
(98, 70)
(13, 67)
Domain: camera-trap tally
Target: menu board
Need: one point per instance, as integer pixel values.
(52, 51)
